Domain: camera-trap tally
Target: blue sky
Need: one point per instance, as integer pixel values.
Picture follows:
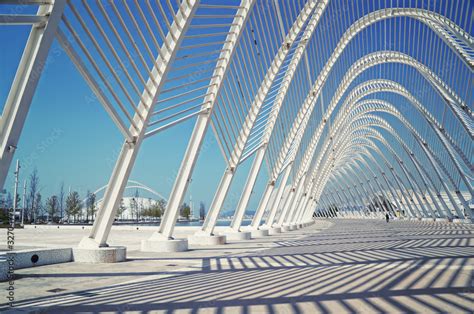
(71, 139)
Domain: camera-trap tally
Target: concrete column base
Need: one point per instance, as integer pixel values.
(237, 235)
(293, 227)
(285, 229)
(206, 239)
(442, 220)
(159, 243)
(111, 254)
(428, 219)
(259, 233)
(274, 230)
(462, 221)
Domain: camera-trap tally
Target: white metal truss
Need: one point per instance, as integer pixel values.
(316, 90)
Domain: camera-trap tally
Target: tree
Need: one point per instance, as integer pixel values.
(61, 199)
(52, 206)
(162, 205)
(32, 192)
(73, 205)
(38, 207)
(9, 201)
(121, 209)
(134, 208)
(90, 205)
(185, 210)
(154, 211)
(202, 210)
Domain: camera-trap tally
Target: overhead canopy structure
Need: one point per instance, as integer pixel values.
(356, 107)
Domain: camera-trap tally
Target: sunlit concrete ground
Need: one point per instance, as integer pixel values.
(339, 266)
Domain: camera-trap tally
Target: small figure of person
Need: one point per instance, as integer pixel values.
(387, 217)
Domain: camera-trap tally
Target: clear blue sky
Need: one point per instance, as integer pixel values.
(72, 140)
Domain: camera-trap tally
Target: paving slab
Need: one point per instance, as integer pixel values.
(335, 266)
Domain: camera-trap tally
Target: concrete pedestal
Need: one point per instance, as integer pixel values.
(206, 239)
(462, 221)
(293, 227)
(427, 219)
(111, 254)
(285, 228)
(158, 243)
(237, 235)
(274, 230)
(89, 251)
(259, 233)
(442, 220)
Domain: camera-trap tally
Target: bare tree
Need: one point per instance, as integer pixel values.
(202, 210)
(32, 193)
(61, 200)
(38, 207)
(121, 209)
(134, 208)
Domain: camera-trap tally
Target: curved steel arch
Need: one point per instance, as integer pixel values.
(395, 176)
(370, 60)
(381, 85)
(386, 126)
(136, 184)
(316, 90)
(437, 163)
(135, 127)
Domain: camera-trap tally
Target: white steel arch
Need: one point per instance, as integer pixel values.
(303, 87)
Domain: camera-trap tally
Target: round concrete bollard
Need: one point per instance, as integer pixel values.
(237, 235)
(164, 245)
(286, 228)
(111, 254)
(274, 230)
(201, 239)
(259, 233)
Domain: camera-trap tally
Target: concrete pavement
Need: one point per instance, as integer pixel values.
(338, 266)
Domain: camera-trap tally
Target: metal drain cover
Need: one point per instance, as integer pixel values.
(56, 290)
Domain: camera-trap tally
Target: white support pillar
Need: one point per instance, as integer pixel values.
(278, 199)
(217, 202)
(186, 169)
(257, 218)
(248, 187)
(124, 165)
(286, 207)
(279, 99)
(290, 206)
(25, 82)
(251, 118)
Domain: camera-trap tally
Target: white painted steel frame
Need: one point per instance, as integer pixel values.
(334, 175)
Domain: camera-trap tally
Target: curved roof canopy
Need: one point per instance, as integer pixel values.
(349, 103)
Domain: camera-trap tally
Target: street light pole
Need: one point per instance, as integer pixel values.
(24, 205)
(15, 189)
